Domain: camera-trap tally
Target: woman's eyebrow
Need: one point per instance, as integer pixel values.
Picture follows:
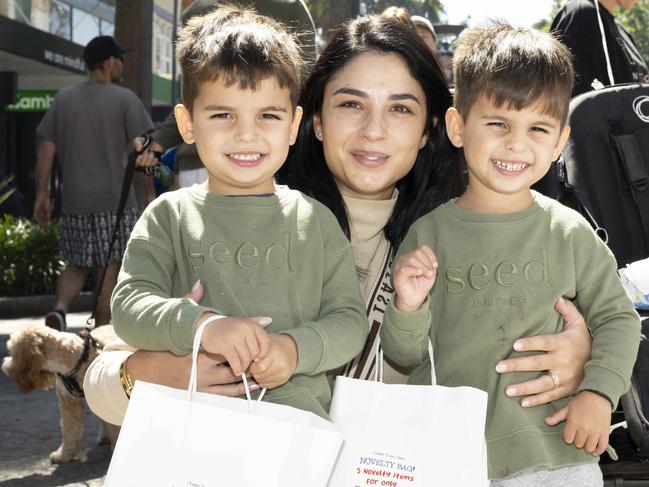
(349, 91)
(405, 96)
(361, 94)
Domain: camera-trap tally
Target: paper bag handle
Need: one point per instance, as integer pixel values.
(191, 388)
(378, 374)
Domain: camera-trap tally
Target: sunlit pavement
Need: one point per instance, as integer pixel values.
(29, 430)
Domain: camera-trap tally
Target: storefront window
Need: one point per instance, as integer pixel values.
(60, 19)
(85, 26)
(107, 28)
(163, 33)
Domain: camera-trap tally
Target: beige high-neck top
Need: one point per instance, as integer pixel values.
(367, 219)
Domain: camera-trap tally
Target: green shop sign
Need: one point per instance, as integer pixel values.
(32, 101)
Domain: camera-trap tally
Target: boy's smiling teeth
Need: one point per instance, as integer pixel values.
(246, 157)
(510, 166)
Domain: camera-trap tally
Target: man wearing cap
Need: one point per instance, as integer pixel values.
(88, 127)
(426, 31)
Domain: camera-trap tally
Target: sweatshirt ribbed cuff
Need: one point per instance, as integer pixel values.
(310, 348)
(412, 322)
(181, 326)
(605, 381)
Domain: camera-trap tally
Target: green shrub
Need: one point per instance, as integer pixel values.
(29, 262)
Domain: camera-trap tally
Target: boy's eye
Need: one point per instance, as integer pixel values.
(496, 124)
(401, 109)
(539, 130)
(270, 116)
(221, 115)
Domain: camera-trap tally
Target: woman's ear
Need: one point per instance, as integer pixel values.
(317, 127)
(454, 127)
(422, 141)
(184, 122)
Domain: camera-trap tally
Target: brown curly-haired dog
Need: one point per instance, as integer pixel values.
(37, 355)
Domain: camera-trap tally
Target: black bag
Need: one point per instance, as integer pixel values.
(606, 167)
(635, 402)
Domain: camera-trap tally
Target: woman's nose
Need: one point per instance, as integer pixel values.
(375, 127)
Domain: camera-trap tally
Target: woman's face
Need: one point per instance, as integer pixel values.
(372, 124)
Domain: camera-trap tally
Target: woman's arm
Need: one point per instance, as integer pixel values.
(106, 395)
(565, 355)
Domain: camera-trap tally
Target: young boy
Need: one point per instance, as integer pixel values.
(504, 255)
(261, 250)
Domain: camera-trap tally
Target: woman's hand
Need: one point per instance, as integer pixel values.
(170, 370)
(566, 354)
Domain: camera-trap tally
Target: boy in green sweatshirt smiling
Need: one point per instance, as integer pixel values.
(265, 253)
(484, 269)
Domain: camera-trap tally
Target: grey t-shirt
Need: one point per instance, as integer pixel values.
(91, 125)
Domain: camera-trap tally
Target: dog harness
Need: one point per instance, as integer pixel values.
(68, 380)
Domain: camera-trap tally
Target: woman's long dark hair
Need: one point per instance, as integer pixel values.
(435, 176)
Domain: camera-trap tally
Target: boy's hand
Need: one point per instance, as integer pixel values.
(588, 422)
(280, 363)
(239, 340)
(414, 276)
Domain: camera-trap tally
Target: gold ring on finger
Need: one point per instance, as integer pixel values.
(555, 380)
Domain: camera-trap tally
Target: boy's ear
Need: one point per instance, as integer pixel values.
(295, 124)
(563, 138)
(454, 127)
(184, 122)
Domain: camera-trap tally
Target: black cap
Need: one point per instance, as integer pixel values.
(101, 48)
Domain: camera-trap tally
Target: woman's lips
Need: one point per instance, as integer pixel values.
(370, 159)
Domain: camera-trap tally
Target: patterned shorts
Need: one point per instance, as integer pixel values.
(85, 238)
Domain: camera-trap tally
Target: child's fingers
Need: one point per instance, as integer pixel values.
(591, 443)
(407, 272)
(264, 343)
(580, 438)
(557, 417)
(235, 363)
(429, 256)
(250, 344)
(569, 433)
(425, 258)
(601, 444)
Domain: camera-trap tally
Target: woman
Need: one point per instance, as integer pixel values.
(373, 148)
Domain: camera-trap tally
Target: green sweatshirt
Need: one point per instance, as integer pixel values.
(498, 279)
(282, 256)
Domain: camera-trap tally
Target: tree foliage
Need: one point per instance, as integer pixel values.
(544, 24)
(636, 21)
(329, 14)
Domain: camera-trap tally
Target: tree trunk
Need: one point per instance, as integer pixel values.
(134, 30)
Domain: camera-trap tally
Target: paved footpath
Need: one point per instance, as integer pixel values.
(29, 431)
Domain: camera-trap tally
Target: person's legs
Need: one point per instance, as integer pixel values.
(102, 312)
(69, 285)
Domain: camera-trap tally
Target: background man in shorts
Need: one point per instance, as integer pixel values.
(89, 126)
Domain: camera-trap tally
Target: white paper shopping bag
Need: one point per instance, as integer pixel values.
(180, 438)
(400, 435)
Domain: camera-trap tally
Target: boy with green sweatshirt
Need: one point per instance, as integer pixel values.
(264, 253)
(504, 254)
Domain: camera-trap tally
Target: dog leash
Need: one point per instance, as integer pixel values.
(68, 380)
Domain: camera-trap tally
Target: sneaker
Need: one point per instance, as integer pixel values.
(56, 319)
